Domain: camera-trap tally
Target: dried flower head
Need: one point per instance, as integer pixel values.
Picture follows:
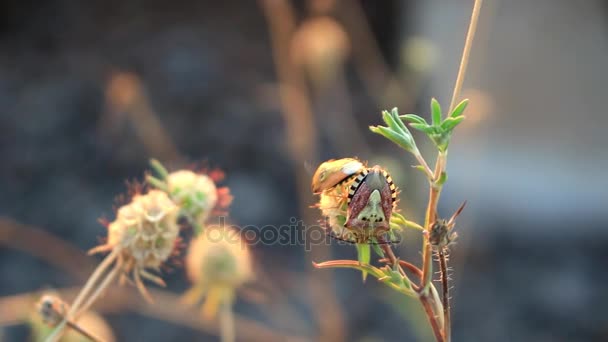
(51, 309)
(144, 233)
(218, 262)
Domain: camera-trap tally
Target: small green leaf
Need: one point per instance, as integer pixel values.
(364, 256)
(435, 112)
(157, 183)
(405, 141)
(423, 128)
(459, 108)
(397, 119)
(413, 118)
(442, 179)
(388, 119)
(451, 122)
(159, 169)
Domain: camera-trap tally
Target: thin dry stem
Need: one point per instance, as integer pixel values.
(227, 332)
(83, 332)
(100, 289)
(84, 292)
(464, 61)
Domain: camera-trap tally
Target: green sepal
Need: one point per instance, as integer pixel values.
(157, 183)
(159, 169)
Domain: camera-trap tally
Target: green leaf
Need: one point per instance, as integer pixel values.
(459, 108)
(414, 119)
(157, 183)
(159, 169)
(388, 119)
(435, 112)
(442, 179)
(397, 119)
(405, 141)
(364, 256)
(450, 123)
(423, 128)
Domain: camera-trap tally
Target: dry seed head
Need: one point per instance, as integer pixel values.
(51, 309)
(146, 229)
(196, 194)
(218, 258)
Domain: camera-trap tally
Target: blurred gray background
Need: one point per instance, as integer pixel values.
(90, 91)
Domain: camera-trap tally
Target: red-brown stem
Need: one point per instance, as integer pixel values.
(413, 268)
(427, 253)
(428, 309)
(423, 295)
(443, 269)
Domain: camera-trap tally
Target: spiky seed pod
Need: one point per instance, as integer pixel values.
(146, 229)
(196, 194)
(218, 262)
(441, 234)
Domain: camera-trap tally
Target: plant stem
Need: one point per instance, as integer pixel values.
(464, 61)
(428, 308)
(423, 295)
(443, 268)
(227, 323)
(86, 289)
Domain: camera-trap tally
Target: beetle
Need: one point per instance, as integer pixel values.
(332, 172)
(371, 199)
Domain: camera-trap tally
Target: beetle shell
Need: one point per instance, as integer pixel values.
(332, 172)
(371, 198)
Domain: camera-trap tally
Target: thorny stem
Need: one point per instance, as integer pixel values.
(443, 269)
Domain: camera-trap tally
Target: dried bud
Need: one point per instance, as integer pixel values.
(196, 194)
(440, 234)
(146, 229)
(52, 309)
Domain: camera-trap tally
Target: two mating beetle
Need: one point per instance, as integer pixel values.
(371, 195)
